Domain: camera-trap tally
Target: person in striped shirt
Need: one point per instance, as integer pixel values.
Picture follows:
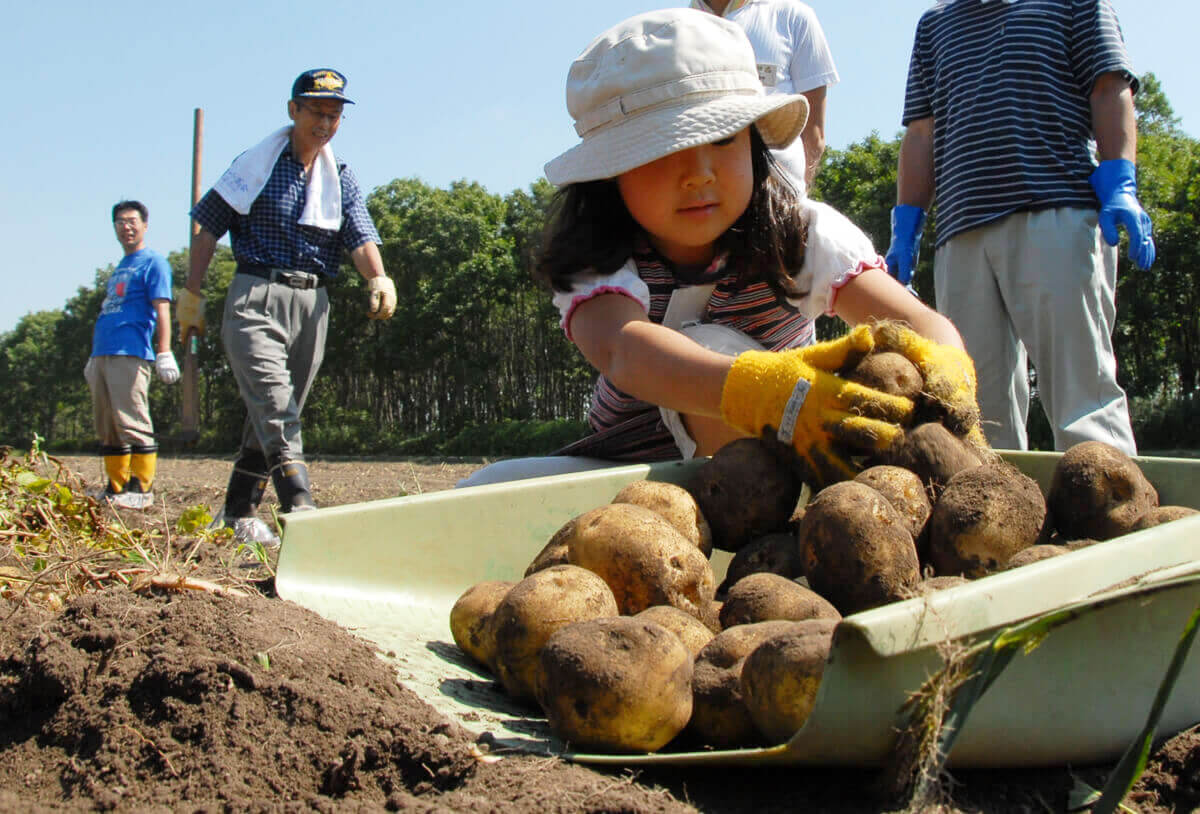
(1008, 106)
(689, 272)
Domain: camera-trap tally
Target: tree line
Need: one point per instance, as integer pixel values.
(475, 363)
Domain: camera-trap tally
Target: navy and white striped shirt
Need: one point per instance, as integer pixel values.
(269, 234)
(1008, 86)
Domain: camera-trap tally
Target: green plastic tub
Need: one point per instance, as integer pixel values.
(390, 570)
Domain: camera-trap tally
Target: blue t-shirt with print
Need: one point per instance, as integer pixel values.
(127, 317)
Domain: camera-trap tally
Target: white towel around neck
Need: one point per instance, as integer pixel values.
(249, 172)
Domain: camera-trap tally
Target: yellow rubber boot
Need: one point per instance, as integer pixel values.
(117, 467)
(144, 467)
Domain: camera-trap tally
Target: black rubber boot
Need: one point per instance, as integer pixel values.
(291, 486)
(246, 485)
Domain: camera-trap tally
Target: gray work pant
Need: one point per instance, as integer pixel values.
(274, 338)
(1039, 284)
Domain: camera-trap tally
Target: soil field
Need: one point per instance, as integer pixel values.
(141, 697)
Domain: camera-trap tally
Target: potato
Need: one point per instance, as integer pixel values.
(763, 597)
(694, 633)
(780, 678)
(856, 548)
(933, 453)
(619, 684)
(675, 505)
(719, 715)
(555, 551)
(1035, 553)
(890, 372)
(905, 491)
(1162, 514)
(1098, 491)
(984, 516)
(933, 584)
(745, 490)
(471, 617)
(534, 609)
(777, 553)
(644, 560)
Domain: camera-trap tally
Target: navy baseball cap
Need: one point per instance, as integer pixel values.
(320, 83)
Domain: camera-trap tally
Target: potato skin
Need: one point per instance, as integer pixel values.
(934, 454)
(694, 633)
(1162, 514)
(745, 490)
(471, 619)
(675, 505)
(1098, 491)
(644, 560)
(905, 491)
(890, 372)
(534, 609)
(984, 516)
(719, 715)
(763, 597)
(856, 548)
(618, 684)
(1033, 554)
(780, 678)
(555, 550)
(777, 553)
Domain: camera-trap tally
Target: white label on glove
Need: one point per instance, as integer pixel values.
(791, 411)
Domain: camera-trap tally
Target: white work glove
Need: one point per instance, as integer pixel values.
(383, 297)
(164, 364)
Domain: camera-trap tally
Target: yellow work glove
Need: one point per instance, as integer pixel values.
(949, 375)
(382, 303)
(189, 310)
(825, 418)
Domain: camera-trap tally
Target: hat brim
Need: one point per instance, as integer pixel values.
(647, 137)
(324, 95)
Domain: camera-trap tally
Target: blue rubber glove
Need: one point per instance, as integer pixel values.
(1115, 184)
(907, 224)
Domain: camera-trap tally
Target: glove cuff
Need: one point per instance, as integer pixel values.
(757, 390)
(1115, 175)
(189, 308)
(908, 220)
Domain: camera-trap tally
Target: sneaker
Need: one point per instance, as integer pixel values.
(131, 500)
(247, 530)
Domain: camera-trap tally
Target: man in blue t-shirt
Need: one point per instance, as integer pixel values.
(136, 310)
(1020, 122)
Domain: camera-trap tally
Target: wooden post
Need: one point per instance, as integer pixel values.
(190, 411)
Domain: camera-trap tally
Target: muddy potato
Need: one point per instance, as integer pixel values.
(934, 454)
(619, 684)
(905, 491)
(471, 617)
(694, 633)
(1098, 491)
(644, 560)
(675, 505)
(763, 597)
(555, 551)
(745, 490)
(535, 608)
(931, 585)
(890, 372)
(856, 548)
(1162, 514)
(719, 715)
(780, 678)
(1035, 553)
(984, 516)
(777, 553)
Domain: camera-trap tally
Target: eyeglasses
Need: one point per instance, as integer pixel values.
(126, 221)
(332, 118)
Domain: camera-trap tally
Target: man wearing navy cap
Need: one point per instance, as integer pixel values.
(291, 209)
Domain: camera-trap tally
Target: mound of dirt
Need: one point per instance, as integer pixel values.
(161, 700)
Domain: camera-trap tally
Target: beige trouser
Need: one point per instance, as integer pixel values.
(274, 337)
(1039, 285)
(120, 388)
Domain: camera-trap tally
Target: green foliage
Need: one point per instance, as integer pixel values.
(514, 438)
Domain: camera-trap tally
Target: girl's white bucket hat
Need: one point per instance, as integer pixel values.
(662, 82)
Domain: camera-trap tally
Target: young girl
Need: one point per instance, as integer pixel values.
(676, 242)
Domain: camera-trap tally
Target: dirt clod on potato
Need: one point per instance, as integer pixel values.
(856, 548)
(619, 684)
(1098, 491)
(984, 516)
(745, 490)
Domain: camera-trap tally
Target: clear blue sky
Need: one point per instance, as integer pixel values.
(100, 98)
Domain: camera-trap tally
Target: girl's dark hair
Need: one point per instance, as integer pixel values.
(591, 230)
